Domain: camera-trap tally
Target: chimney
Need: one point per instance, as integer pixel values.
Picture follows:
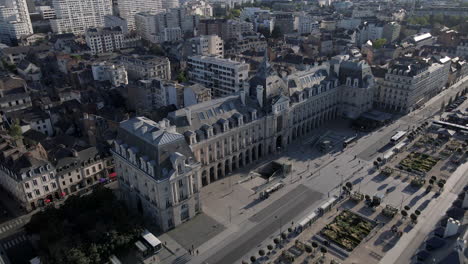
(188, 113)
(242, 96)
(260, 95)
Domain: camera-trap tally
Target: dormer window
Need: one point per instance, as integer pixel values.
(254, 115)
(240, 120)
(225, 126)
(193, 139)
(179, 168)
(348, 81)
(356, 83)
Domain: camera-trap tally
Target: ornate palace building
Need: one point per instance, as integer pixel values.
(206, 141)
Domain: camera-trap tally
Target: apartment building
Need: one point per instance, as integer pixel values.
(103, 40)
(129, 8)
(26, 174)
(14, 21)
(111, 21)
(158, 174)
(223, 76)
(46, 12)
(76, 16)
(287, 22)
(408, 84)
(206, 46)
(115, 73)
(235, 28)
(147, 95)
(146, 67)
(462, 49)
(166, 26)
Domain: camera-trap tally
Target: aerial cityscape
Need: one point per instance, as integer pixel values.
(233, 131)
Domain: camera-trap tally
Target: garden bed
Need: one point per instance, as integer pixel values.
(418, 162)
(348, 230)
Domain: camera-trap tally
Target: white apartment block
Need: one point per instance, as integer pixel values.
(201, 8)
(146, 67)
(157, 172)
(112, 72)
(129, 8)
(223, 76)
(207, 45)
(104, 40)
(75, 16)
(166, 26)
(14, 21)
(409, 84)
(47, 12)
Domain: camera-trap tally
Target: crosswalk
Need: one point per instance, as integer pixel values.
(14, 241)
(182, 259)
(10, 225)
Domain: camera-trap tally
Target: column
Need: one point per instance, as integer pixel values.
(175, 194)
(189, 186)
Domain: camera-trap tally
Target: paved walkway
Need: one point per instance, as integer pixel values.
(409, 243)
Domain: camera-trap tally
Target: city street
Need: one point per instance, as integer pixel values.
(245, 234)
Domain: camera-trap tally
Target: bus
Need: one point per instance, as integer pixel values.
(349, 141)
(398, 137)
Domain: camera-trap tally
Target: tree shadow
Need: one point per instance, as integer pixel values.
(410, 189)
(366, 211)
(383, 237)
(379, 178)
(415, 200)
(423, 205)
(391, 243)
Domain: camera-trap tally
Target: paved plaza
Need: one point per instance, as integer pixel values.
(251, 223)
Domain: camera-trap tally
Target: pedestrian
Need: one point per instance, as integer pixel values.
(190, 251)
(197, 251)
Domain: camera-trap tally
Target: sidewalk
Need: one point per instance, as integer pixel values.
(428, 219)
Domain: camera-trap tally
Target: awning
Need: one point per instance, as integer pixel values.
(113, 175)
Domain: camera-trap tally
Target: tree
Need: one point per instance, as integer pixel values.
(253, 259)
(367, 197)
(417, 212)
(181, 77)
(407, 207)
(261, 252)
(376, 164)
(308, 249)
(15, 130)
(76, 256)
(431, 181)
(157, 50)
(414, 218)
(283, 236)
(349, 185)
(441, 185)
(276, 241)
(314, 245)
(379, 159)
(276, 33)
(270, 247)
(404, 213)
(323, 250)
(378, 43)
